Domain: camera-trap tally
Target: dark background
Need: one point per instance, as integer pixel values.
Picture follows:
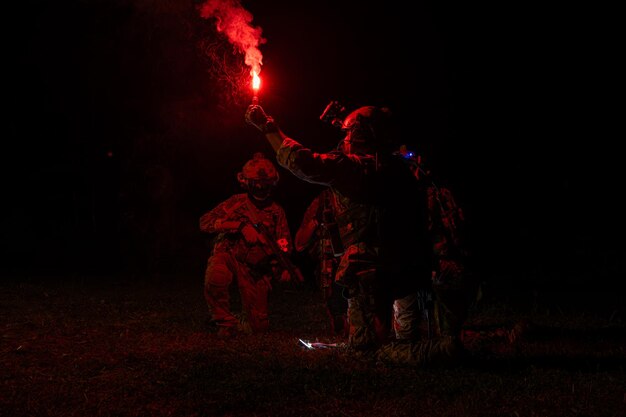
(124, 123)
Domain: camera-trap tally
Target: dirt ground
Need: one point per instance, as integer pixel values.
(117, 347)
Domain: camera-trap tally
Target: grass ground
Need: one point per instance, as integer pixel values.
(120, 348)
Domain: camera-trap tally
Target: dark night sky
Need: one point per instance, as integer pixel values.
(120, 132)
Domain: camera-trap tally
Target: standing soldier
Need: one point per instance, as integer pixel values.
(250, 229)
(319, 235)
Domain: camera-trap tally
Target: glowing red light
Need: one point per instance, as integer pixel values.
(256, 81)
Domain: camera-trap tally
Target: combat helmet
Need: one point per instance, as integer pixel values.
(258, 176)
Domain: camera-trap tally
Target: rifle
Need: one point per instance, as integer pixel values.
(330, 245)
(329, 224)
(281, 256)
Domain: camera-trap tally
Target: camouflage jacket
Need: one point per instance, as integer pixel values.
(311, 231)
(445, 222)
(314, 237)
(350, 178)
(379, 208)
(446, 225)
(237, 208)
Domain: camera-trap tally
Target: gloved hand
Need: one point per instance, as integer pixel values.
(255, 115)
(250, 234)
(285, 276)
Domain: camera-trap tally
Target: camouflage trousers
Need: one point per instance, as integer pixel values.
(436, 352)
(222, 269)
(452, 304)
(336, 308)
(412, 316)
(369, 318)
(369, 299)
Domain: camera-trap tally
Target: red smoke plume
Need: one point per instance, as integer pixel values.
(234, 21)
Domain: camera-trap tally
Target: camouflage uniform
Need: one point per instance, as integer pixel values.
(377, 266)
(431, 320)
(454, 286)
(453, 282)
(313, 234)
(251, 265)
(382, 218)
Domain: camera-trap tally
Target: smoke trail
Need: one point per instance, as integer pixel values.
(235, 22)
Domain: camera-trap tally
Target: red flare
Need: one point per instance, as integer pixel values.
(256, 84)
